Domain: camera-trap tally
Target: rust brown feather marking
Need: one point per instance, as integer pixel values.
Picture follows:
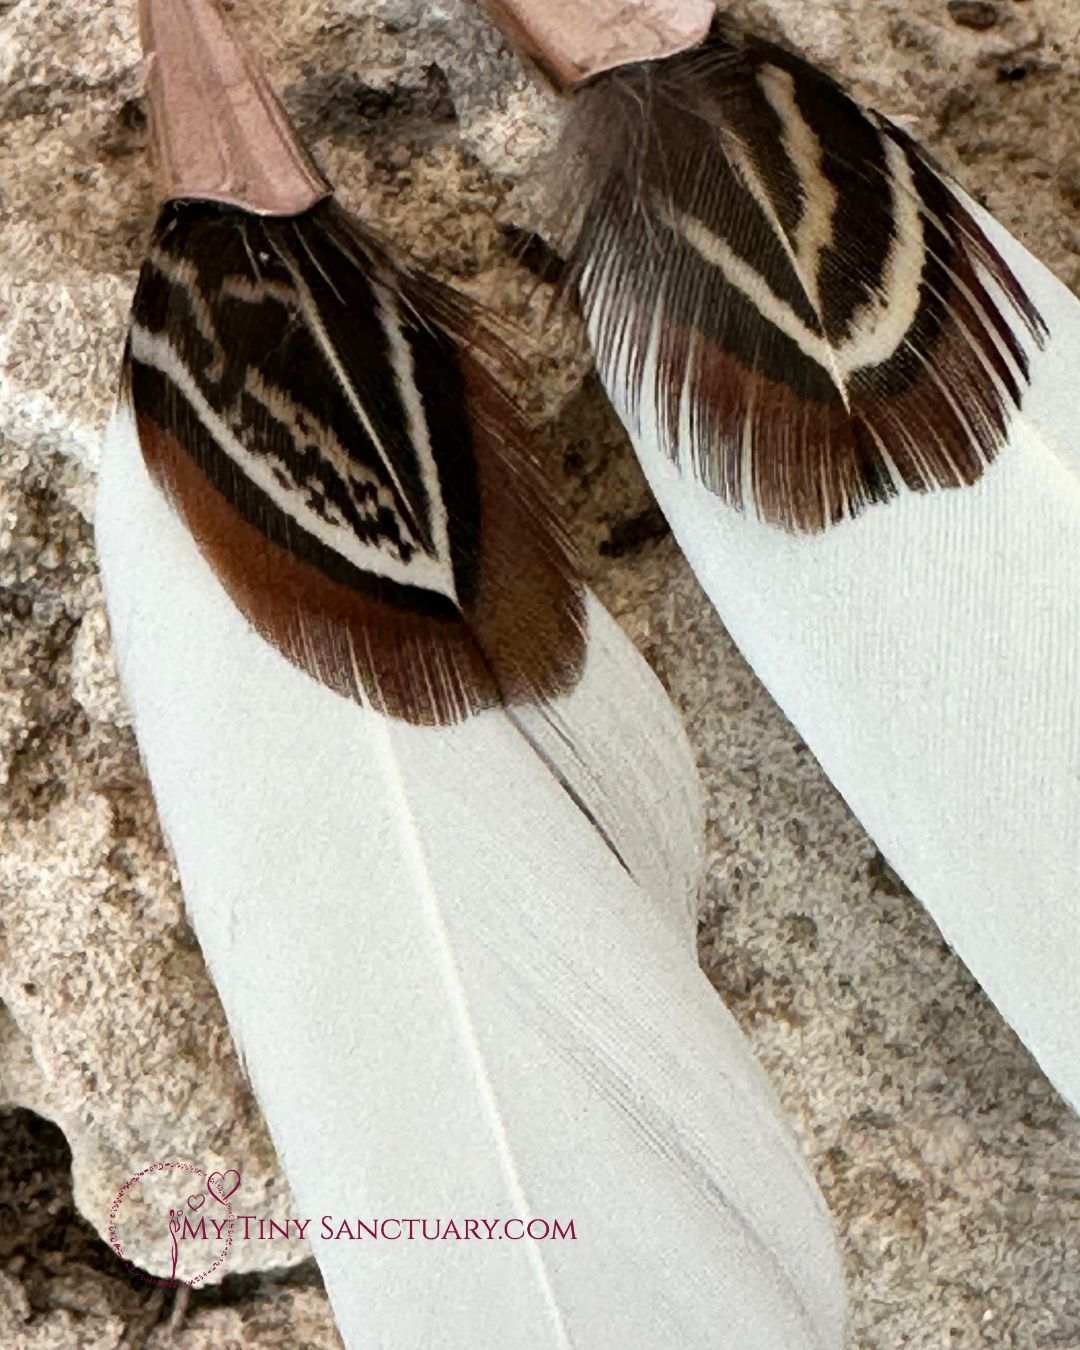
(527, 616)
(421, 667)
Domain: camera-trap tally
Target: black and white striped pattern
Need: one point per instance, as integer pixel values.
(346, 464)
(823, 319)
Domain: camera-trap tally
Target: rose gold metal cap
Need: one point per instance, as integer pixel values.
(219, 132)
(572, 40)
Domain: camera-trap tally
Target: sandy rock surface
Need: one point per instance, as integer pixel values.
(950, 1164)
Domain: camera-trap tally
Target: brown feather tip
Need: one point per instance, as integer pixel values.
(219, 132)
(816, 314)
(328, 426)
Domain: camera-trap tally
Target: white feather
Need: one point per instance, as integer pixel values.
(928, 652)
(452, 999)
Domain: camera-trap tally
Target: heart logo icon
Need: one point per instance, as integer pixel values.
(196, 1201)
(223, 1184)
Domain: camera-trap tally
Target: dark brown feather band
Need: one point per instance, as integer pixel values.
(348, 466)
(819, 318)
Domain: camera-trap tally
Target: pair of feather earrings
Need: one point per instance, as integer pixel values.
(381, 712)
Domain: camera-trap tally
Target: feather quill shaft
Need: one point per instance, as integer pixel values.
(437, 826)
(853, 395)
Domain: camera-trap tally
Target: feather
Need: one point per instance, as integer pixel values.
(437, 825)
(853, 395)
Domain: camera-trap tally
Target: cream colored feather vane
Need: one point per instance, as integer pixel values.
(437, 826)
(855, 397)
